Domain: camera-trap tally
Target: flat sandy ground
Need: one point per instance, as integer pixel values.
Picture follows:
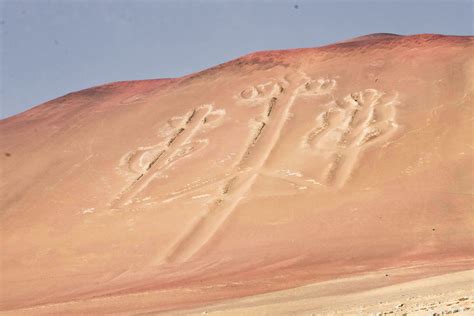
(444, 294)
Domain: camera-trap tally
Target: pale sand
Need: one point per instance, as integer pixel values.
(446, 294)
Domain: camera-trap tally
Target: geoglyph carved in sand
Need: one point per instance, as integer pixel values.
(341, 132)
(180, 140)
(347, 127)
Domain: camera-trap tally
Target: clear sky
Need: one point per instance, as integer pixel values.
(50, 48)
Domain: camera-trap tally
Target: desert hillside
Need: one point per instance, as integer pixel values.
(270, 172)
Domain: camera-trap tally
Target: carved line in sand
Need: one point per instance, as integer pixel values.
(347, 128)
(357, 132)
(147, 163)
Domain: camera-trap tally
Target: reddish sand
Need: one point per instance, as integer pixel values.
(269, 172)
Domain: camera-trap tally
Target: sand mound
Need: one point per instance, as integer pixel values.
(295, 167)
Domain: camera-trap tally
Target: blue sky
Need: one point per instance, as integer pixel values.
(50, 48)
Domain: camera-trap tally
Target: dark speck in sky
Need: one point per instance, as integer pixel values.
(296, 6)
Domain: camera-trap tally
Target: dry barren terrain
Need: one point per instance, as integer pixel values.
(319, 180)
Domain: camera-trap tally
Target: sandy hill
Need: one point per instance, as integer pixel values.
(272, 171)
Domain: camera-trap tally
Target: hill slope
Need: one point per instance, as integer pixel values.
(271, 171)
